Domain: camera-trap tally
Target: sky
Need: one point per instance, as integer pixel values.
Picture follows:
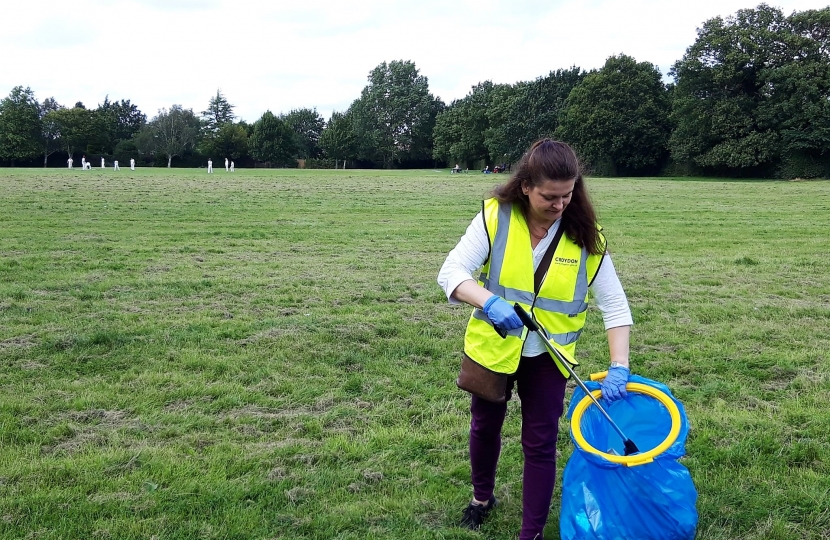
(280, 55)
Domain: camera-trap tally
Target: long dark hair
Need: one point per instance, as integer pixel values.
(547, 159)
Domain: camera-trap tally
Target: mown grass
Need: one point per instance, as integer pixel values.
(267, 355)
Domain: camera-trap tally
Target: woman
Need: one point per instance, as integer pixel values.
(544, 204)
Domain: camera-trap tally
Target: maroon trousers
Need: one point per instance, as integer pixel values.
(541, 389)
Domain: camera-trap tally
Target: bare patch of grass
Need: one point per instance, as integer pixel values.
(89, 429)
(262, 413)
(298, 494)
(268, 335)
(18, 342)
(31, 365)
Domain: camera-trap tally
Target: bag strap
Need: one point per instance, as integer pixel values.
(544, 264)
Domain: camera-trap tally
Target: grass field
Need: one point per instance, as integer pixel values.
(267, 355)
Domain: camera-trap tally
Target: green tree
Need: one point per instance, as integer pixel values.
(528, 111)
(126, 150)
(448, 134)
(395, 115)
(229, 141)
(49, 129)
(618, 118)
(144, 142)
(249, 128)
(20, 125)
(799, 100)
(307, 125)
(273, 141)
(218, 112)
(171, 133)
(338, 139)
(79, 128)
(459, 133)
(121, 120)
(506, 135)
(752, 91)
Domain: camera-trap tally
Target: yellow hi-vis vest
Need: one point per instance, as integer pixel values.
(561, 305)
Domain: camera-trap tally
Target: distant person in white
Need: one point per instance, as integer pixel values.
(226, 165)
(231, 166)
(132, 164)
(210, 166)
(83, 162)
(103, 166)
(69, 162)
(115, 166)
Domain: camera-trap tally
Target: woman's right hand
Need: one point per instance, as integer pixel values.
(501, 313)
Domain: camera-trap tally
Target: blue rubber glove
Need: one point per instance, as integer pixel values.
(613, 386)
(501, 314)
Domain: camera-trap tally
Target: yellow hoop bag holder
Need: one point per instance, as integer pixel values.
(645, 496)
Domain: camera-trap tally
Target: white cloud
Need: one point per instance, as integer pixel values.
(317, 53)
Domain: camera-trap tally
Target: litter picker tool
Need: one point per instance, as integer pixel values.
(533, 326)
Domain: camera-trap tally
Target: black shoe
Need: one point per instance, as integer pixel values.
(475, 514)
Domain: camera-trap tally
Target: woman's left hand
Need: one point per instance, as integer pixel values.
(613, 386)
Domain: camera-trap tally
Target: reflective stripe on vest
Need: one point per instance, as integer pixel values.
(559, 306)
(562, 339)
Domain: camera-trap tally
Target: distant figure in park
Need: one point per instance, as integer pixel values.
(69, 162)
(486, 169)
(103, 165)
(132, 164)
(210, 166)
(226, 165)
(83, 162)
(456, 169)
(115, 166)
(231, 165)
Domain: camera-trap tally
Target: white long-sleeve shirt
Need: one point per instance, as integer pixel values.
(474, 248)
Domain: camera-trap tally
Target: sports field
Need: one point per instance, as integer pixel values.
(266, 354)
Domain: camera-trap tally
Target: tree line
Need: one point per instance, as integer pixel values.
(32, 132)
(749, 98)
(389, 125)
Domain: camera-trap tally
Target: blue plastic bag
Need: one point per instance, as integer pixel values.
(602, 500)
